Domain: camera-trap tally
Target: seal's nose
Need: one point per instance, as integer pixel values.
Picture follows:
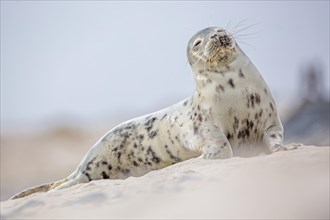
(221, 38)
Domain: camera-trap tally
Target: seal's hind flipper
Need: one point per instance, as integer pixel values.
(41, 188)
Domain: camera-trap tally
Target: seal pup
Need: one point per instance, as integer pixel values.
(231, 109)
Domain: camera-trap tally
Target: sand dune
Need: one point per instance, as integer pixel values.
(292, 184)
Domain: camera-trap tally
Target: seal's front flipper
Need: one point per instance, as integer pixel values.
(217, 151)
(216, 144)
(274, 139)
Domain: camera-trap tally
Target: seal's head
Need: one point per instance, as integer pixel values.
(211, 48)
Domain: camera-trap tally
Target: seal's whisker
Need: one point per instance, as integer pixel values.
(200, 57)
(205, 66)
(244, 29)
(242, 42)
(240, 36)
(240, 24)
(228, 25)
(187, 62)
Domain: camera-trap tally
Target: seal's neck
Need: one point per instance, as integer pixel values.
(213, 86)
(209, 77)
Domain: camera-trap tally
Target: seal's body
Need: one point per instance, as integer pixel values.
(231, 109)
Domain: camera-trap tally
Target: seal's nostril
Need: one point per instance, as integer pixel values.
(213, 36)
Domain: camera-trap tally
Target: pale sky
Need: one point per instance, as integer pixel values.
(96, 61)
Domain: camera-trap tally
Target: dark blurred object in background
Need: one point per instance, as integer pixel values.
(309, 123)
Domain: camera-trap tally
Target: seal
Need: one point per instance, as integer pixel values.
(231, 109)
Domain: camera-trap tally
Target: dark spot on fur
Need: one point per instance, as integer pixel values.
(97, 164)
(231, 83)
(88, 176)
(256, 116)
(252, 100)
(131, 155)
(126, 172)
(185, 103)
(141, 137)
(88, 166)
(104, 162)
(245, 133)
(195, 129)
(229, 136)
(176, 159)
(135, 145)
(240, 73)
(219, 87)
(135, 163)
(154, 157)
(273, 136)
(105, 176)
(164, 116)
(119, 155)
(169, 136)
(200, 117)
(123, 144)
(265, 90)
(149, 124)
(271, 106)
(109, 167)
(235, 125)
(257, 98)
(152, 134)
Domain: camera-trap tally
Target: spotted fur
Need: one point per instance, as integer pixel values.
(231, 109)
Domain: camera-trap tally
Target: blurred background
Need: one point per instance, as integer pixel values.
(70, 71)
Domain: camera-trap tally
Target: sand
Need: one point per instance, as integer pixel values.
(287, 185)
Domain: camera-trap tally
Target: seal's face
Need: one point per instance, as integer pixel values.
(211, 48)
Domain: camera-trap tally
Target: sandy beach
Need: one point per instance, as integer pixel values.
(287, 185)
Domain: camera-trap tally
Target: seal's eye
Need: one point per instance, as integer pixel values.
(197, 43)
